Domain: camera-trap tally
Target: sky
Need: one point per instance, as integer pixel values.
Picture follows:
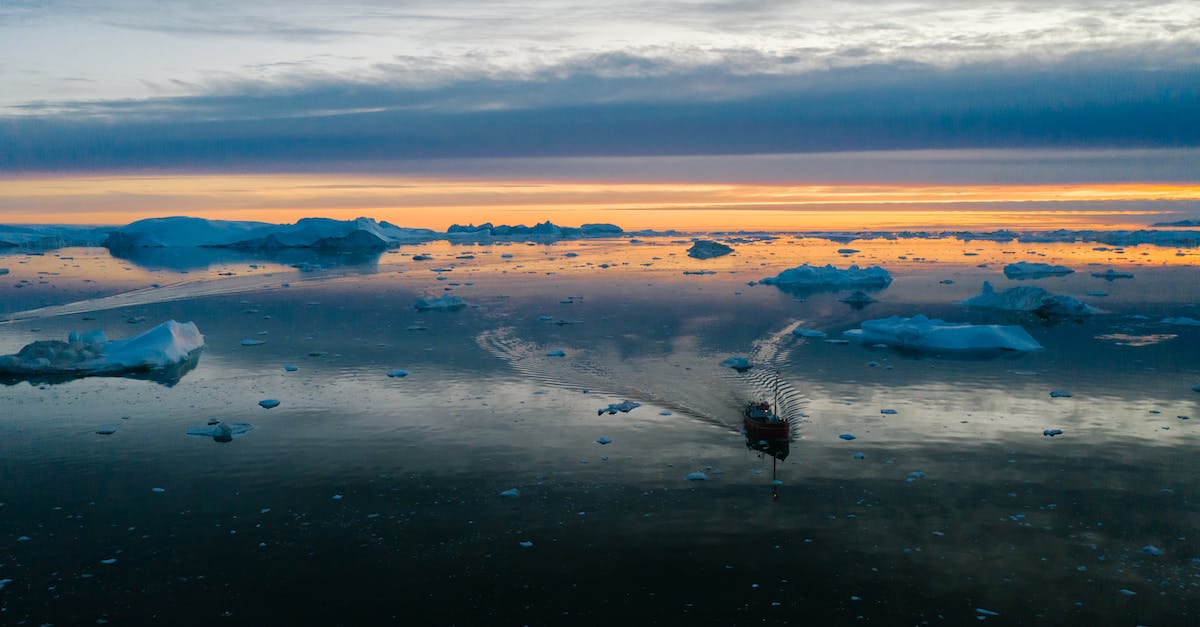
(746, 91)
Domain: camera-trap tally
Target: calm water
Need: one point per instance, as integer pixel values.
(366, 499)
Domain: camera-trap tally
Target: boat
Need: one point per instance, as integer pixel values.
(761, 423)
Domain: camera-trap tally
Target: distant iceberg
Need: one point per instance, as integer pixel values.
(165, 346)
(448, 302)
(49, 236)
(544, 230)
(708, 249)
(926, 334)
(830, 276)
(317, 233)
(1032, 299)
(1027, 270)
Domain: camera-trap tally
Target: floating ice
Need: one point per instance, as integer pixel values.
(106, 430)
(1060, 394)
(1182, 321)
(847, 436)
(1150, 549)
(741, 364)
(889, 412)
(158, 490)
(109, 562)
(1026, 270)
(449, 302)
(1031, 299)
(1111, 274)
(268, 403)
(399, 372)
(290, 368)
(831, 276)
(221, 431)
(603, 440)
(696, 476)
(525, 544)
(317, 233)
(168, 344)
(1051, 432)
(707, 249)
(252, 342)
(808, 333)
(511, 492)
(847, 251)
(4, 582)
(983, 612)
(1127, 592)
(926, 334)
(556, 353)
(623, 407)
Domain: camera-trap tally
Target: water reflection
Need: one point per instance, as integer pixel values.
(191, 259)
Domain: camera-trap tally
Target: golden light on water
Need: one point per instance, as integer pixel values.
(437, 203)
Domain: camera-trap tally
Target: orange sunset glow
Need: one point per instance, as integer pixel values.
(437, 203)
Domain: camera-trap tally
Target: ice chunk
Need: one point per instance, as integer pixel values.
(931, 334)
(290, 368)
(556, 353)
(1060, 394)
(808, 333)
(831, 276)
(1026, 270)
(1031, 299)
(707, 249)
(168, 344)
(4, 582)
(449, 302)
(221, 431)
(603, 440)
(741, 364)
(268, 403)
(252, 342)
(397, 373)
(847, 436)
(106, 429)
(860, 455)
(511, 492)
(889, 412)
(1051, 432)
(623, 407)
(1150, 549)
(109, 562)
(983, 612)
(1127, 592)
(696, 476)
(1111, 274)
(525, 544)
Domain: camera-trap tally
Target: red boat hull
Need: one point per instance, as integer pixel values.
(763, 430)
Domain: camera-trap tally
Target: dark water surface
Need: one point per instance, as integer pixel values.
(369, 499)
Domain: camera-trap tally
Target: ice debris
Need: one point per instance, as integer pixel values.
(808, 333)
(511, 492)
(1150, 549)
(623, 407)
(221, 431)
(1111, 274)
(1026, 270)
(831, 276)
(268, 403)
(556, 353)
(168, 344)
(847, 436)
(252, 342)
(741, 364)
(696, 476)
(707, 249)
(1031, 299)
(1051, 432)
(449, 302)
(1060, 394)
(525, 544)
(397, 373)
(603, 440)
(106, 430)
(932, 334)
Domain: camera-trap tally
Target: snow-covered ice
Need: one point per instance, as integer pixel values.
(830, 276)
(168, 344)
(1031, 299)
(1028, 270)
(932, 334)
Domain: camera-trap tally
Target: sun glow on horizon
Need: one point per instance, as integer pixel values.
(438, 202)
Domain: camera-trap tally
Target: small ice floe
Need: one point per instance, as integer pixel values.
(888, 412)
(449, 302)
(221, 431)
(830, 276)
(808, 333)
(421, 258)
(1182, 321)
(930, 334)
(914, 476)
(511, 492)
(3, 271)
(290, 368)
(860, 455)
(268, 403)
(1026, 270)
(603, 440)
(696, 476)
(397, 373)
(1127, 592)
(1051, 432)
(1110, 275)
(525, 544)
(983, 612)
(847, 436)
(336, 497)
(741, 364)
(253, 342)
(707, 249)
(1150, 549)
(1060, 394)
(1029, 298)
(556, 353)
(699, 272)
(158, 490)
(847, 251)
(545, 318)
(106, 430)
(623, 407)
(857, 299)
(109, 562)
(164, 346)
(5, 582)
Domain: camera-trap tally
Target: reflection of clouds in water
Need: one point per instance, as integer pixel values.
(1125, 339)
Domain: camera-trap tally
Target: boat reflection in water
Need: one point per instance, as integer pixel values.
(768, 434)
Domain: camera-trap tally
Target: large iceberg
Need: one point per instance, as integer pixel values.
(317, 233)
(1032, 299)
(930, 334)
(707, 249)
(542, 231)
(1027, 270)
(831, 276)
(49, 236)
(165, 346)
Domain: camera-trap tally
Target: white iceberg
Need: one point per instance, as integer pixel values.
(926, 334)
(449, 302)
(831, 276)
(1027, 270)
(168, 344)
(1029, 298)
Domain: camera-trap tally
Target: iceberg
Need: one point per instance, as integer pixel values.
(831, 276)
(1029, 298)
(324, 234)
(1025, 270)
(707, 249)
(931, 334)
(741, 364)
(449, 302)
(1110, 275)
(167, 345)
(623, 407)
(221, 431)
